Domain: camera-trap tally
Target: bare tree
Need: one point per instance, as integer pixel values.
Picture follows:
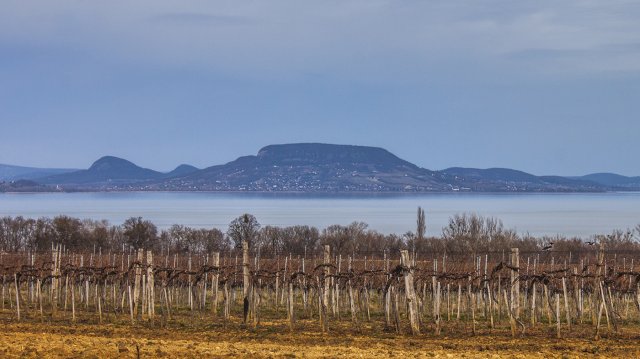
(243, 228)
(338, 237)
(68, 232)
(140, 234)
(471, 232)
(271, 238)
(177, 237)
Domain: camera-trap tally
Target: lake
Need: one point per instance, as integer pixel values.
(575, 214)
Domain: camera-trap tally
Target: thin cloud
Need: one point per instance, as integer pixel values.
(200, 19)
(357, 40)
(608, 57)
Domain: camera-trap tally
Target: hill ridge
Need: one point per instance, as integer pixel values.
(320, 167)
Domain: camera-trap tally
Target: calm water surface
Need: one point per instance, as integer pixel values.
(538, 214)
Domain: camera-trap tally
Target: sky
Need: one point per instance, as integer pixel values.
(545, 86)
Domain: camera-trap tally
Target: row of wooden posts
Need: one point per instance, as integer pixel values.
(391, 291)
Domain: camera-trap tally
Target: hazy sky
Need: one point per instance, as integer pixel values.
(549, 87)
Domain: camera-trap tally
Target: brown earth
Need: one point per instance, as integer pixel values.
(194, 337)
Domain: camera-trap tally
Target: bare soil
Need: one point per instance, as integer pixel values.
(196, 337)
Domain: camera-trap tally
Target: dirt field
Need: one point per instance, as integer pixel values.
(185, 339)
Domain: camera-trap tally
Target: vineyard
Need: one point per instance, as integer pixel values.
(400, 292)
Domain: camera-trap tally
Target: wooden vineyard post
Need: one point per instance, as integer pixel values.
(324, 292)
(246, 280)
(214, 282)
(39, 295)
(433, 291)
(15, 279)
(255, 292)
(98, 299)
(55, 272)
(131, 309)
(459, 303)
(30, 286)
(488, 289)
(73, 303)
(190, 293)
(327, 279)
(410, 292)
(276, 302)
(387, 293)
(305, 293)
(581, 292)
(136, 283)
(365, 292)
(332, 293)
(533, 297)
(290, 303)
(284, 276)
(227, 299)
(604, 305)
(499, 297)
(448, 302)
(525, 300)
(205, 283)
(396, 315)
(66, 291)
(472, 300)
(515, 283)
(352, 305)
(143, 286)
(512, 321)
(337, 288)
(558, 318)
(150, 285)
(165, 295)
(437, 305)
(566, 302)
(547, 303)
(470, 306)
(255, 303)
(595, 302)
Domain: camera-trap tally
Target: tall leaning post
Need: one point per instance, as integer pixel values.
(515, 283)
(410, 292)
(246, 279)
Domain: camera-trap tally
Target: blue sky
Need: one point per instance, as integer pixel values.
(544, 86)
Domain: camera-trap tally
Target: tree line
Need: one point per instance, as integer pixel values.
(464, 233)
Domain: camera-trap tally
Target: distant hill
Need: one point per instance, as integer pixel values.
(315, 167)
(13, 173)
(312, 167)
(491, 174)
(319, 154)
(106, 170)
(24, 186)
(613, 180)
(504, 179)
(318, 167)
(181, 170)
